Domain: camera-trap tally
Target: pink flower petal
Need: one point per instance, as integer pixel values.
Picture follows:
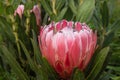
(78, 26)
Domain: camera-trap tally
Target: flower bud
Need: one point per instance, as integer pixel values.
(36, 10)
(19, 10)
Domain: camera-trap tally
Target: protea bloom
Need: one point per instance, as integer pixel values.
(67, 45)
(19, 10)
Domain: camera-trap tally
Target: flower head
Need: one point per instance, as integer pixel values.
(19, 10)
(67, 45)
(36, 10)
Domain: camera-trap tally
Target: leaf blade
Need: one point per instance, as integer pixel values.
(99, 60)
(85, 10)
(14, 64)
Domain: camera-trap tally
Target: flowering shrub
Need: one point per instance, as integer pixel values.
(59, 40)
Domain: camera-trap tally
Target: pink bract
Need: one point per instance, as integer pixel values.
(19, 10)
(36, 10)
(67, 45)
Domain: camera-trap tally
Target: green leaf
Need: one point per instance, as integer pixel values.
(46, 6)
(44, 64)
(114, 68)
(97, 20)
(9, 10)
(5, 29)
(1, 8)
(59, 4)
(48, 68)
(14, 64)
(36, 50)
(33, 22)
(105, 76)
(108, 39)
(115, 26)
(78, 75)
(61, 14)
(72, 6)
(85, 10)
(116, 78)
(105, 14)
(32, 64)
(99, 61)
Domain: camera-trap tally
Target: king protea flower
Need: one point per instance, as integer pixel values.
(19, 10)
(67, 45)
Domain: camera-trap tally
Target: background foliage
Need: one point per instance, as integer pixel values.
(20, 57)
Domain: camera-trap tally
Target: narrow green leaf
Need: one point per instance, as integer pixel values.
(45, 19)
(32, 64)
(48, 68)
(99, 60)
(105, 76)
(105, 14)
(97, 21)
(61, 14)
(78, 75)
(37, 53)
(46, 6)
(59, 4)
(115, 26)
(85, 10)
(116, 78)
(6, 28)
(72, 6)
(14, 64)
(108, 39)
(114, 68)
(28, 56)
(33, 22)
(45, 66)
(41, 60)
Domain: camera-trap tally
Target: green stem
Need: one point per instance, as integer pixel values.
(27, 23)
(14, 27)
